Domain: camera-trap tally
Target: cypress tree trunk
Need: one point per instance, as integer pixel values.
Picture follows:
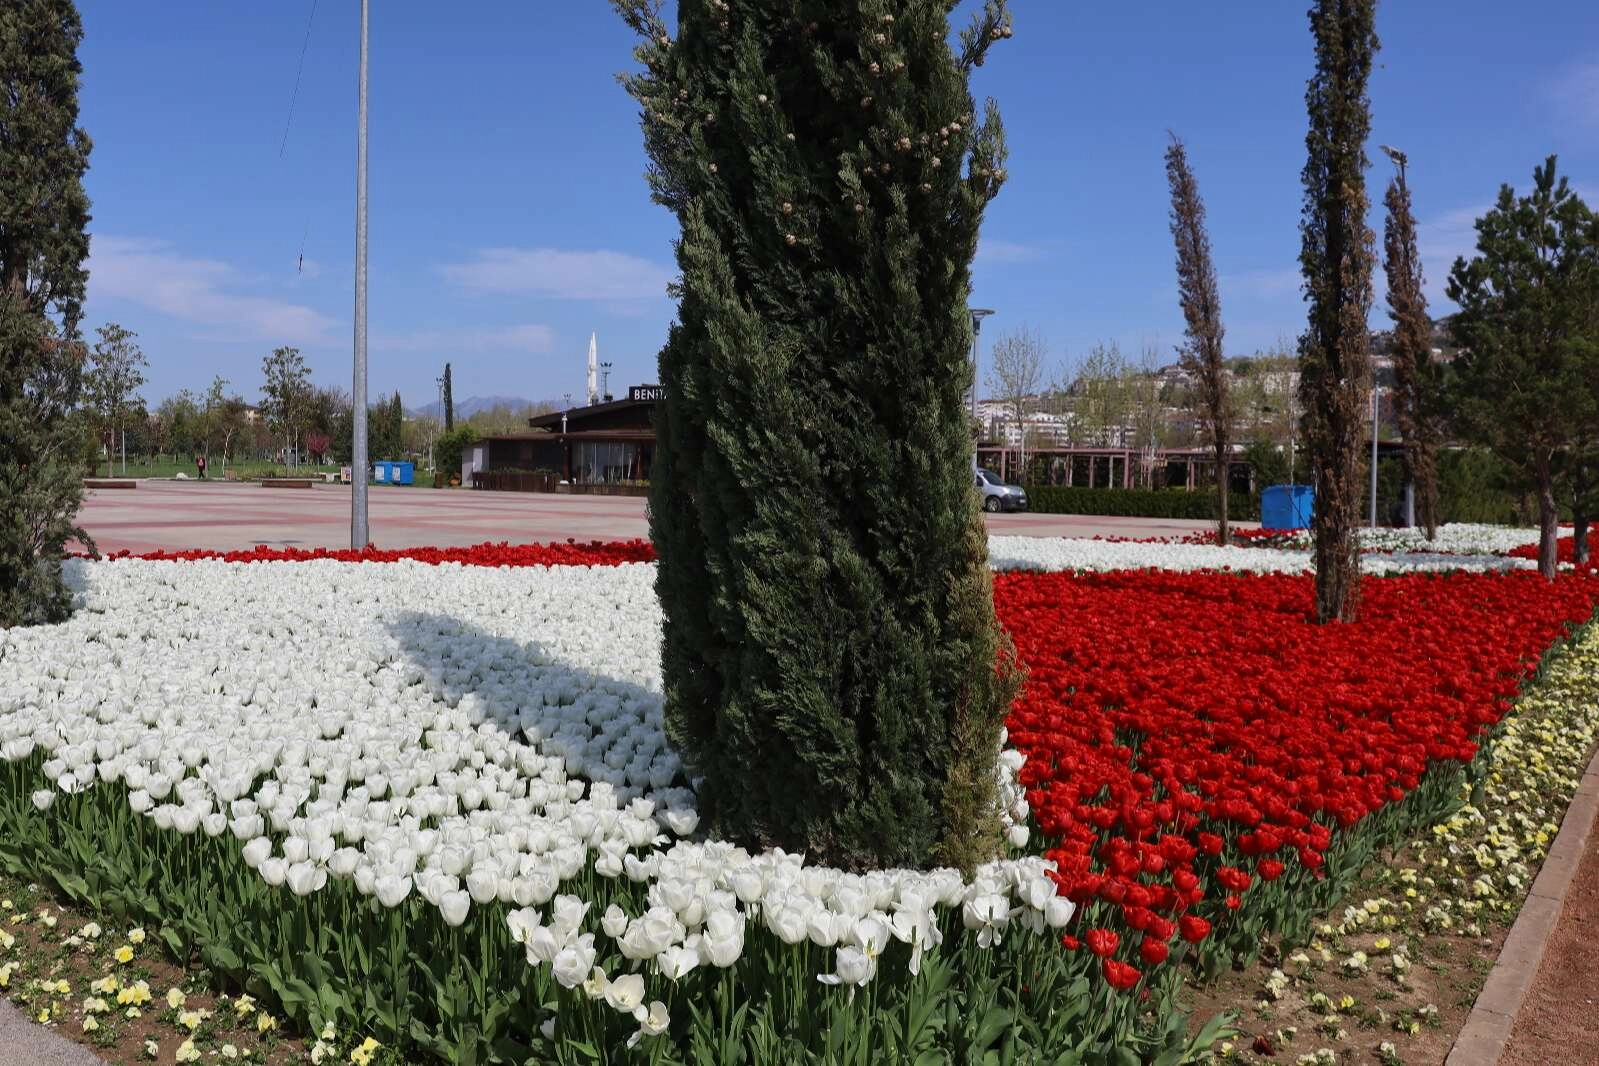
(830, 644)
(1336, 257)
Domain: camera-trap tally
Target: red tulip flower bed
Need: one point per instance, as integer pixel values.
(1565, 550)
(569, 553)
(1192, 738)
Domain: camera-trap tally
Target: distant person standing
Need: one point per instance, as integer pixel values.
(199, 462)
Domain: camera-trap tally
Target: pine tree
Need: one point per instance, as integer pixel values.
(830, 645)
(1336, 257)
(1529, 311)
(449, 401)
(1416, 378)
(1202, 356)
(44, 214)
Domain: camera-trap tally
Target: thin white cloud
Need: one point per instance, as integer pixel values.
(535, 339)
(1575, 90)
(152, 274)
(562, 274)
(996, 252)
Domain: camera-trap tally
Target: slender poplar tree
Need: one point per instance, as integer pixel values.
(834, 673)
(44, 214)
(1415, 376)
(1336, 257)
(1201, 355)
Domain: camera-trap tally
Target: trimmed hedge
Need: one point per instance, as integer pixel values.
(1139, 503)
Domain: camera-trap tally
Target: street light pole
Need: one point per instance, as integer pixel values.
(978, 314)
(360, 531)
(1375, 389)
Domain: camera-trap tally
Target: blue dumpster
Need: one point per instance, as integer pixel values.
(391, 473)
(1286, 506)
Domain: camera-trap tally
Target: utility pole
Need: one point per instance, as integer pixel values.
(360, 532)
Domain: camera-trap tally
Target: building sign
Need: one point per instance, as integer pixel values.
(651, 393)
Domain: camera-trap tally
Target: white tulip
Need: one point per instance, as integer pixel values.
(851, 966)
(625, 993)
(454, 906)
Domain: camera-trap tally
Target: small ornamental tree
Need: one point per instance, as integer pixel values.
(285, 396)
(1416, 379)
(1202, 355)
(1336, 257)
(1529, 300)
(44, 214)
(834, 671)
(111, 384)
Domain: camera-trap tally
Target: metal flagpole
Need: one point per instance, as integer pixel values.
(360, 534)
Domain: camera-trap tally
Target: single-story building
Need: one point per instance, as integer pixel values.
(606, 446)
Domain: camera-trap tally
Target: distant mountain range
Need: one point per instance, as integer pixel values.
(472, 405)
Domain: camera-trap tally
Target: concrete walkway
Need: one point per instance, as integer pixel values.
(225, 516)
(23, 1043)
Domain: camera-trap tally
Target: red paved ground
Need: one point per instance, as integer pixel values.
(229, 515)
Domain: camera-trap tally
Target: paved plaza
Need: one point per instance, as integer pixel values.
(224, 516)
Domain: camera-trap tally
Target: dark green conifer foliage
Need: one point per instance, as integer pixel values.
(833, 668)
(43, 215)
(449, 401)
(1529, 329)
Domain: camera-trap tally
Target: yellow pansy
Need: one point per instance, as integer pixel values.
(104, 986)
(187, 1052)
(89, 1024)
(175, 997)
(136, 936)
(123, 955)
(362, 1055)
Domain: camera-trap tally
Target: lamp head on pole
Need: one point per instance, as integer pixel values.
(1399, 158)
(978, 314)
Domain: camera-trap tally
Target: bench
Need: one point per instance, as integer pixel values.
(287, 482)
(110, 483)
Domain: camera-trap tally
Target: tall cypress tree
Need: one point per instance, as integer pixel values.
(830, 644)
(44, 213)
(1202, 355)
(1336, 257)
(449, 401)
(1415, 375)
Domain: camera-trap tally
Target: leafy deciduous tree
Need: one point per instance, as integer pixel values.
(1202, 355)
(111, 385)
(1336, 257)
(1416, 378)
(285, 396)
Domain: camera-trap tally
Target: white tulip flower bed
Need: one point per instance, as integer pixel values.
(1465, 551)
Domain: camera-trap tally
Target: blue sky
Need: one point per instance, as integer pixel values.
(509, 215)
